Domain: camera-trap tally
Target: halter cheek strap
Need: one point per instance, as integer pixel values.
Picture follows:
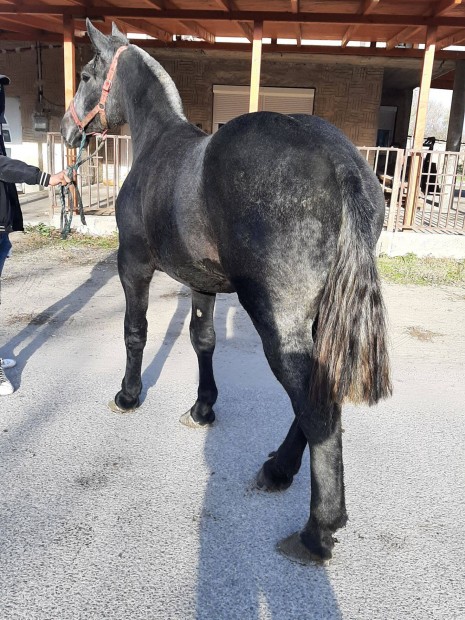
(100, 107)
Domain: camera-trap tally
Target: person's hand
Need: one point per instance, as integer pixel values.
(60, 178)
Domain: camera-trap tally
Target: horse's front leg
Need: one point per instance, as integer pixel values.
(135, 272)
(203, 340)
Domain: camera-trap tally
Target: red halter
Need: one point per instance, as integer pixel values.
(100, 107)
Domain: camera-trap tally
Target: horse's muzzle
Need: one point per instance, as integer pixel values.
(69, 130)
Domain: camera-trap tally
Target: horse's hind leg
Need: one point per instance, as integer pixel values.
(287, 342)
(203, 340)
(135, 270)
(322, 427)
(278, 472)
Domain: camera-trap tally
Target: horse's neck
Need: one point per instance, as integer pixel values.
(151, 99)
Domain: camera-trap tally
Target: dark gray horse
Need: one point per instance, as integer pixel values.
(281, 210)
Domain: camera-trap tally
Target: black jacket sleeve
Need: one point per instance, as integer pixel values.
(15, 171)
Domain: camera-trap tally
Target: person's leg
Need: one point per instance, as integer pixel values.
(5, 247)
(5, 385)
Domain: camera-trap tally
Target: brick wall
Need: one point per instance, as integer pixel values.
(347, 95)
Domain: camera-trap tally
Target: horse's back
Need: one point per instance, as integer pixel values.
(273, 196)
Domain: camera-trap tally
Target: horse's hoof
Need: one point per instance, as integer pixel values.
(265, 481)
(114, 407)
(187, 420)
(294, 549)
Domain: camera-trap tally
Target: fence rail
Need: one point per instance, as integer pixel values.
(99, 179)
(424, 190)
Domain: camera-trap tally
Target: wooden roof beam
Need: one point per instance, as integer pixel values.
(199, 31)
(158, 4)
(444, 6)
(298, 34)
(402, 36)
(40, 23)
(10, 25)
(295, 6)
(348, 35)
(227, 5)
(145, 27)
(273, 16)
(368, 6)
(456, 39)
(247, 30)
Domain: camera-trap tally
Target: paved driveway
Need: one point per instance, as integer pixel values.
(137, 517)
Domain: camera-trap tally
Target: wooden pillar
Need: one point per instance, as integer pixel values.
(256, 66)
(420, 123)
(69, 58)
(457, 109)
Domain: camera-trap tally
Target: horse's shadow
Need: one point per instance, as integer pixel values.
(37, 331)
(240, 574)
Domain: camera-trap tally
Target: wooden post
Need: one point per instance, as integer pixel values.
(69, 58)
(256, 66)
(420, 123)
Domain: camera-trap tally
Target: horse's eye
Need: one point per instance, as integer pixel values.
(85, 77)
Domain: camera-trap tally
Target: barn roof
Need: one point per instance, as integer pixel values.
(391, 22)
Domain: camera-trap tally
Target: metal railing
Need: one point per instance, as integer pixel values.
(434, 201)
(100, 178)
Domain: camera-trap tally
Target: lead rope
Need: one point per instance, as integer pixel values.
(66, 216)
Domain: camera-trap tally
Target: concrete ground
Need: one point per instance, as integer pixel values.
(137, 517)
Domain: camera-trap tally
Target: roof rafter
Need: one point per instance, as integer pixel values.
(444, 6)
(403, 35)
(456, 39)
(199, 31)
(36, 23)
(145, 27)
(12, 25)
(227, 5)
(273, 16)
(366, 7)
(247, 30)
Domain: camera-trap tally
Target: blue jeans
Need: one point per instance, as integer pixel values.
(5, 247)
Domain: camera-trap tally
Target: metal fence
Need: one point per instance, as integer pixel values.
(424, 190)
(101, 177)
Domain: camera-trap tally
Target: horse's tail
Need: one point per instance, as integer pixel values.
(350, 358)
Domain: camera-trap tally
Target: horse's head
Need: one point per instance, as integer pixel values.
(94, 109)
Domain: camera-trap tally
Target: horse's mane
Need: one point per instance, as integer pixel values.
(165, 80)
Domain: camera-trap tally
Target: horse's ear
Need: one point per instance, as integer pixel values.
(116, 32)
(98, 39)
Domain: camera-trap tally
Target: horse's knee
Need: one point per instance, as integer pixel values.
(203, 338)
(135, 336)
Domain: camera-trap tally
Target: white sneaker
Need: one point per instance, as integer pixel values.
(6, 387)
(7, 363)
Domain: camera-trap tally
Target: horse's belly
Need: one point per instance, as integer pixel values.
(204, 275)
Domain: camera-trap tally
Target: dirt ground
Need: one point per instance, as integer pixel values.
(138, 517)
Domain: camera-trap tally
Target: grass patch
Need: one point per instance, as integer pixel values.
(411, 269)
(42, 235)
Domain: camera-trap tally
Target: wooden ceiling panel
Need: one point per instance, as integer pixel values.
(397, 21)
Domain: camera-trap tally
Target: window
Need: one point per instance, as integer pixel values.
(232, 101)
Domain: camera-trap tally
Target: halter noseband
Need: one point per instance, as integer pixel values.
(100, 107)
